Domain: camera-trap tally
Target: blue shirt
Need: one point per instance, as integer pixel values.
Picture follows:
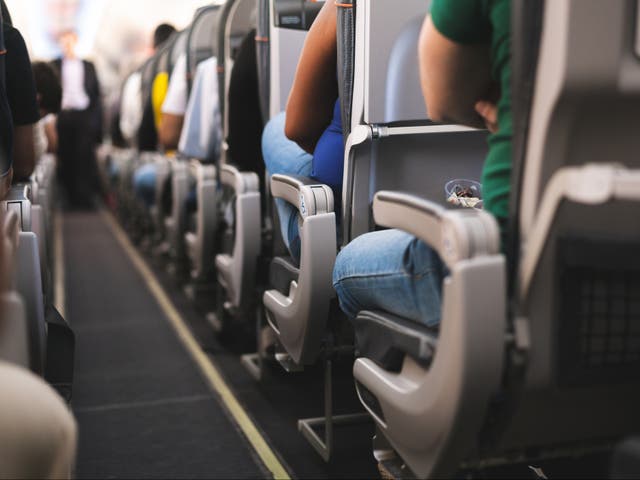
(328, 157)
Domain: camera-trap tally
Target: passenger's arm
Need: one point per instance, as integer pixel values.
(454, 77)
(22, 97)
(52, 136)
(170, 130)
(315, 87)
(24, 156)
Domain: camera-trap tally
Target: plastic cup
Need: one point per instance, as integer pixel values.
(461, 185)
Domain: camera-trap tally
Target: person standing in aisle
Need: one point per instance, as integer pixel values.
(79, 124)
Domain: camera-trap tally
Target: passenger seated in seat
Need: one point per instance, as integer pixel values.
(245, 117)
(464, 58)
(308, 140)
(49, 97)
(19, 113)
(144, 179)
(38, 434)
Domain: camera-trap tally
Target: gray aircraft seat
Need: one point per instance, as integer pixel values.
(287, 311)
(203, 38)
(445, 151)
(14, 340)
(201, 44)
(28, 277)
(234, 20)
(131, 210)
(262, 55)
(136, 217)
(43, 197)
(551, 368)
(159, 210)
(286, 37)
(236, 266)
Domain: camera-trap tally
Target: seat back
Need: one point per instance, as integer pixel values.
(147, 134)
(27, 274)
(178, 48)
(164, 56)
(578, 293)
(288, 27)
(263, 55)
(392, 144)
(14, 344)
(202, 39)
(346, 31)
(238, 17)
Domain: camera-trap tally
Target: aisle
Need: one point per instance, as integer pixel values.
(143, 408)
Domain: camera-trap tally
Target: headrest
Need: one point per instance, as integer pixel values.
(388, 65)
(296, 14)
(203, 30)
(403, 97)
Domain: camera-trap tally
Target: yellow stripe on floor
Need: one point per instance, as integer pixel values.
(209, 370)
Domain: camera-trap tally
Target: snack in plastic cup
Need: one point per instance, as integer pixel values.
(464, 193)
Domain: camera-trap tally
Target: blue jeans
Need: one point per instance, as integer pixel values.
(392, 271)
(282, 156)
(144, 183)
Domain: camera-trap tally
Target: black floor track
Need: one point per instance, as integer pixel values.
(143, 408)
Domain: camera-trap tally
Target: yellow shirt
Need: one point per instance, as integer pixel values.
(158, 93)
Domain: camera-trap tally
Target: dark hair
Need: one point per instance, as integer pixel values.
(6, 16)
(162, 34)
(47, 86)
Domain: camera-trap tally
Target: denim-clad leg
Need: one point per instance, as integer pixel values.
(282, 156)
(391, 271)
(144, 183)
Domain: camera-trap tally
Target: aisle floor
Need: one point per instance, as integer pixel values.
(143, 408)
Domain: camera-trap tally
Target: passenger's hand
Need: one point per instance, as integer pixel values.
(489, 113)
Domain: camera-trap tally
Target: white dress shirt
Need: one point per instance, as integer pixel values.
(175, 103)
(74, 96)
(201, 136)
(131, 107)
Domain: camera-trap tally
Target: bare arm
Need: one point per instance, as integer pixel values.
(24, 155)
(315, 87)
(52, 136)
(454, 77)
(170, 130)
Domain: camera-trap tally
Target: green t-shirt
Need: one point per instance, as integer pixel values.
(487, 21)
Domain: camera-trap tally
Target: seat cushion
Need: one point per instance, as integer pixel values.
(386, 339)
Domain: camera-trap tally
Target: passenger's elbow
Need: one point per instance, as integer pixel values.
(436, 112)
(434, 97)
(169, 131)
(166, 139)
(298, 135)
(292, 130)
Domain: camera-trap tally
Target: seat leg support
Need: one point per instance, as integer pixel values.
(307, 426)
(254, 362)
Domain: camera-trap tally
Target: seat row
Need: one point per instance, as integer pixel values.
(535, 338)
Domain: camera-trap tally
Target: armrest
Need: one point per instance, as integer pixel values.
(240, 182)
(10, 238)
(455, 234)
(19, 201)
(306, 194)
(11, 227)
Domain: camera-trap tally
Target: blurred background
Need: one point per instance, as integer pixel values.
(114, 34)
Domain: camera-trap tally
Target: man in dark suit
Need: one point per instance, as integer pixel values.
(79, 124)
